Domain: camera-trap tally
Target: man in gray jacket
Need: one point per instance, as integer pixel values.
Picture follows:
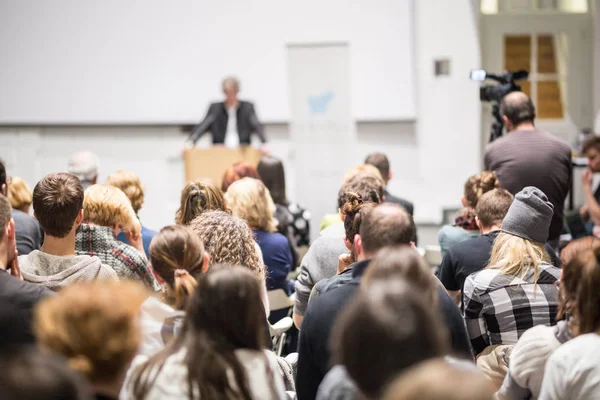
(58, 206)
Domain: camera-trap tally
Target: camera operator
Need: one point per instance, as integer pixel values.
(527, 157)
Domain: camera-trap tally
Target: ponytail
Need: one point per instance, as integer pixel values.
(184, 285)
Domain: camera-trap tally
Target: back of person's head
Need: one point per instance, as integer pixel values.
(354, 211)
(84, 165)
(479, 184)
(402, 262)
(225, 314)
(19, 194)
(593, 142)
(381, 162)
(387, 328)
(386, 225)
(94, 325)
(3, 179)
(439, 380)
(106, 205)
(57, 202)
(362, 169)
(236, 172)
(31, 374)
(518, 108)
(576, 246)
(369, 187)
(493, 206)
(177, 256)
(272, 174)
(5, 216)
(131, 185)
(228, 240)
(197, 197)
(579, 286)
(249, 199)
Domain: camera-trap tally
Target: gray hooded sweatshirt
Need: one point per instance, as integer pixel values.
(56, 272)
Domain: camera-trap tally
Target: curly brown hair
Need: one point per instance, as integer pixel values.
(131, 185)
(479, 184)
(197, 197)
(228, 240)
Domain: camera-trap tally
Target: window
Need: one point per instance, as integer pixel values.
(532, 6)
(544, 56)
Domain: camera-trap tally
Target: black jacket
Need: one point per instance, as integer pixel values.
(216, 121)
(389, 198)
(17, 302)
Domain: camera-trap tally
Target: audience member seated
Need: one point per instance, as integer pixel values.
(31, 374)
(228, 240)
(322, 259)
(464, 226)
(353, 213)
(196, 198)
(17, 298)
(473, 255)
(130, 184)
(591, 209)
(404, 263)
(374, 340)
(517, 290)
(84, 165)
(366, 170)
(58, 205)
(527, 157)
(439, 380)
(221, 351)
(573, 370)
(177, 256)
(386, 225)
(107, 211)
(28, 232)
(250, 200)
(19, 195)
(293, 220)
(381, 162)
(236, 172)
(95, 325)
(530, 354)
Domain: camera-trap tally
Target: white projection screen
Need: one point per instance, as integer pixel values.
(161, 62)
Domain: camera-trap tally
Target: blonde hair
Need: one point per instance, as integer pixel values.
(364, 169)
(249, 199)
(107, 205)
(19, 194)
(177, 255)
(516, 256)
(479, 184)
(228, 240)
(130, 184)
(197, 197)
(94, 325)
(437, 379)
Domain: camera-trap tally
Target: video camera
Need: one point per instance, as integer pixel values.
(495, 93)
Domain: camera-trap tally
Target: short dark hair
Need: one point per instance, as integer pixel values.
(5, 214)
(386, 225)
(57, 199)
(366, 186)
(388, 328)
(30, 373)
(2, 173)
(381, 162)
(493, 206)
(518, 108)
(593, 142)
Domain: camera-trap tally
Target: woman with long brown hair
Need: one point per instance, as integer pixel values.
(177, 257)
(220, 353)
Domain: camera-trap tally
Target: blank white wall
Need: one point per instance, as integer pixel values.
(161, 62)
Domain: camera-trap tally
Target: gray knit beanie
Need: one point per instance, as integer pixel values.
(529, 215)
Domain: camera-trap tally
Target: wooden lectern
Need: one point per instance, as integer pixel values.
(213, 162)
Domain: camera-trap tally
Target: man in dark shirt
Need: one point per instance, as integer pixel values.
(528, 157)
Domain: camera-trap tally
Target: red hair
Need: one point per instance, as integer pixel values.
(236, 172)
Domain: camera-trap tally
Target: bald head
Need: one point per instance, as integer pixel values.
(387, 225)
(517, 108)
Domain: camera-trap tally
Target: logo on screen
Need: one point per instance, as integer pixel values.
(319, 104)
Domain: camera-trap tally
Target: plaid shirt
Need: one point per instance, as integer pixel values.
(126, 260)
(499, 308)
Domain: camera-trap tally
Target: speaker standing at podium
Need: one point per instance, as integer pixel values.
(231, 122)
